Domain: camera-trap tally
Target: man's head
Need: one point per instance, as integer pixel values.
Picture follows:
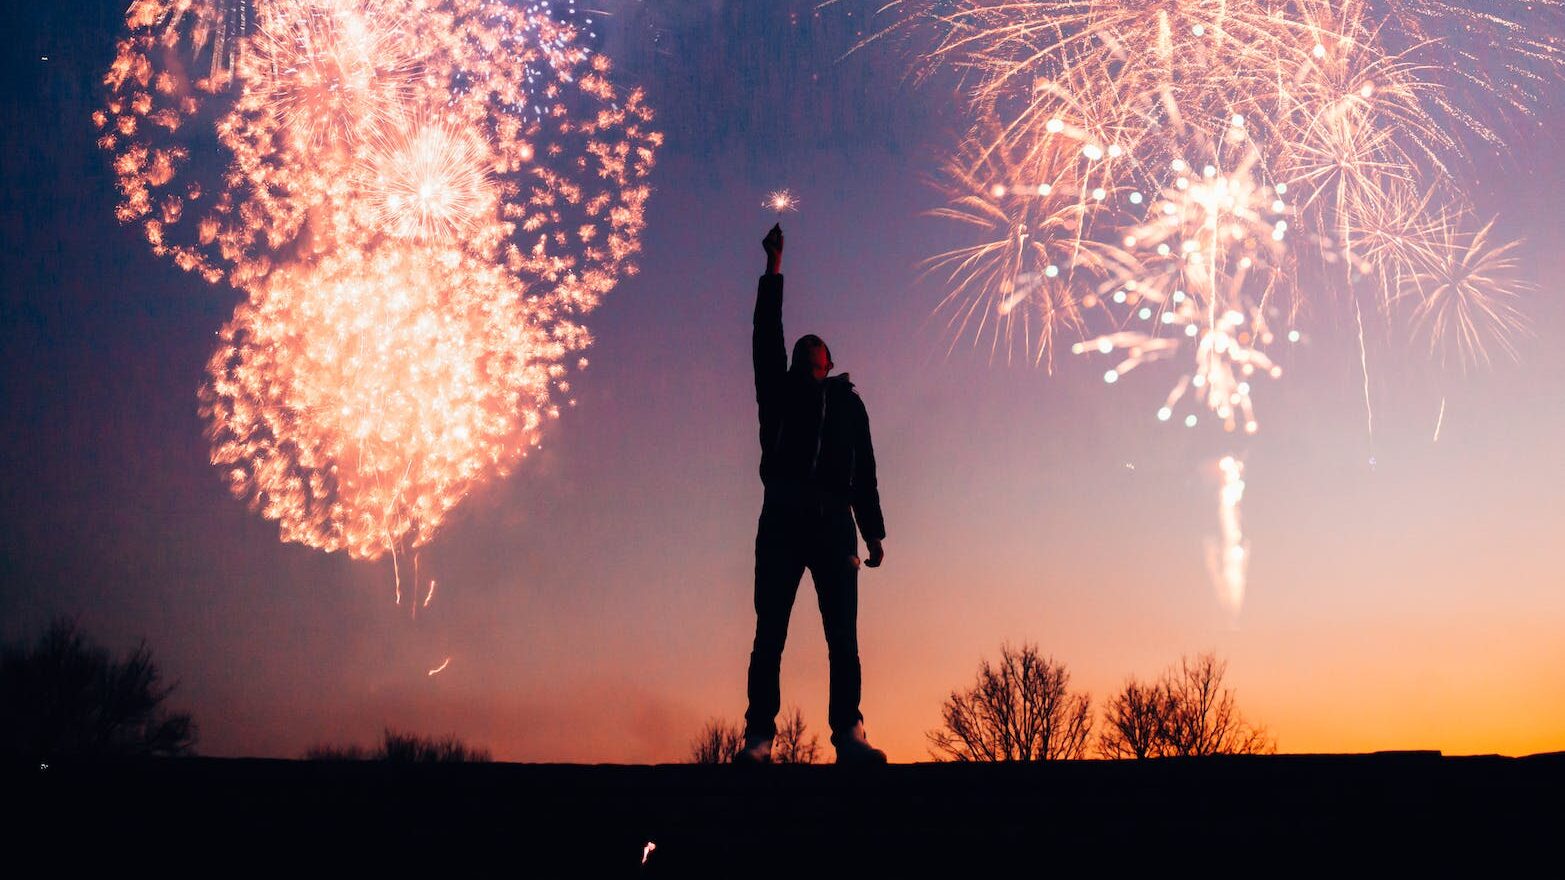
(812, 357)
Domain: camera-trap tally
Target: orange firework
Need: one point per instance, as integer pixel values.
(420, 201)
(359, 398)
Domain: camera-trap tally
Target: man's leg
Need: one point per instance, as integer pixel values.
(837, 592)
(778, 568)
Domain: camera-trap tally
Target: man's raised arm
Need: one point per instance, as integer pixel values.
(768, 351)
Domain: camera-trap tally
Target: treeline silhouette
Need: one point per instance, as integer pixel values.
(396, 746)
(1022, 709)
(64, 695)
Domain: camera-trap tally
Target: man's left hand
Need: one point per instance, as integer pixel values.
(877, 553)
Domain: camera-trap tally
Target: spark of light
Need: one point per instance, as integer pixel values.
(441, 668)
(646, 851)
(1439, 420)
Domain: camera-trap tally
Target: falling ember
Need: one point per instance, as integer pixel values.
(441, 668)
(646, 851)
(419, 202)
(782, 201)
(1228, 558)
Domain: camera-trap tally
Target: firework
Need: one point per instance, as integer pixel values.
(357, 399)
(1184, 181)
(1464, 292)
(207, 35)
(1199, 268)
(429, 181)
(1361, 108)
(1030, 204)
(419, 201)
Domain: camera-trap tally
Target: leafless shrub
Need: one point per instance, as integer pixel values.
(1019, 710)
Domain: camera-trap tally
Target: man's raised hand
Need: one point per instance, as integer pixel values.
(773, 244)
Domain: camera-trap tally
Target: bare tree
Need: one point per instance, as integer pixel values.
(1187, 712)
(1134, 722)
(717, 743)
(791, 746)
(65, 695)
(1202, 718)
(1020, 710)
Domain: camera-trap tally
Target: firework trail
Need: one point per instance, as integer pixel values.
(1228, 557)
(1189, 180)
(419, 200)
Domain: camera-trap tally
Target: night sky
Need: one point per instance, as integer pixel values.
(596, 605)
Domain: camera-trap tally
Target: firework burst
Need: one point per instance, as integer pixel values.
(1464, 291)
(1183, 181)
(1362, 109)
(430, 181)
(420, 201)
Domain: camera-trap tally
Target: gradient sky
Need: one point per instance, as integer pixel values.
(596, 605)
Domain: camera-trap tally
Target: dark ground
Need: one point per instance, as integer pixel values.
(1262, 816)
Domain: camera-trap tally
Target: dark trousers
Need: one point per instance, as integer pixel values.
(793, 537)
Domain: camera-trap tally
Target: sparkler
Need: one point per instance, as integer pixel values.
(782, 201)
(419, 200)
(1188, 179)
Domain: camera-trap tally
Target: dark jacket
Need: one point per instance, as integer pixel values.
(815, 443)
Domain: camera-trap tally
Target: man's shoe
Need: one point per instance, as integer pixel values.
(854, 748)
(757, 750)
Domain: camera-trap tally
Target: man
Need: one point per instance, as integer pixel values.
(818, 467)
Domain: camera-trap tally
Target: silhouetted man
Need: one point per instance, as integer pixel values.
(818, 467)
